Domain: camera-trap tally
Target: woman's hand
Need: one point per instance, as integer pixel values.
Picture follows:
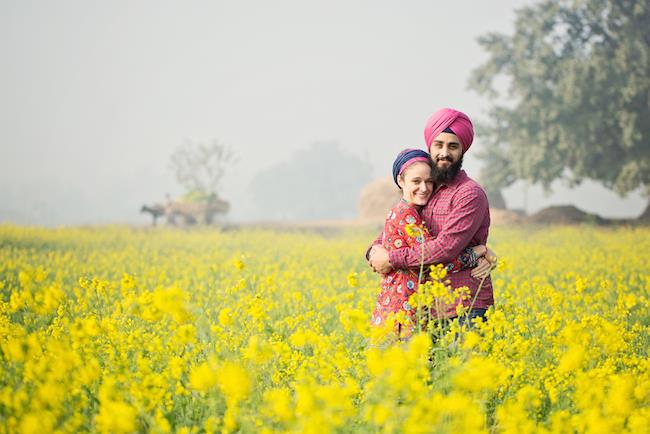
(482, 270)
(491, 256)
(485, 264)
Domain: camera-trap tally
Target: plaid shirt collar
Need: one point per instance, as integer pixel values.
(458, 180)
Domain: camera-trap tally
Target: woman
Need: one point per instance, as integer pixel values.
(412, 174)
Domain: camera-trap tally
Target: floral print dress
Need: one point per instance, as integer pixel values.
(398, 285)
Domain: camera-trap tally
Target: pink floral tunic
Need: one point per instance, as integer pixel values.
(398, 285)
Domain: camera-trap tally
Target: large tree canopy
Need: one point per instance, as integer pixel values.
(577, 99)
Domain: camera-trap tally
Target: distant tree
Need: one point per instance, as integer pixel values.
(319, 182)
(577, 104)
(200, 168)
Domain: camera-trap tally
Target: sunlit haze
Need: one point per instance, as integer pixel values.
(95, 96)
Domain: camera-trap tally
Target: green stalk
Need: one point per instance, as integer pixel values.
(480, 285)
(419, 312)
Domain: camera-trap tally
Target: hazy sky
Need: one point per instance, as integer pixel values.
(95, 95)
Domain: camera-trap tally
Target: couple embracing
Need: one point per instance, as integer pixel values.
(451, 215)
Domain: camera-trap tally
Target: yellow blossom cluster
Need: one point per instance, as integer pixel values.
(119, 330)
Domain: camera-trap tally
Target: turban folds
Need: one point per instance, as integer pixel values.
(456, 121)
(406, 158)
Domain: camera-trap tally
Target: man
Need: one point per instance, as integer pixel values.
(457, 213)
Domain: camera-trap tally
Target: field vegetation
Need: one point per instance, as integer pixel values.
(115, 329)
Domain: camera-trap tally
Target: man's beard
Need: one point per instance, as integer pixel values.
(446, 174)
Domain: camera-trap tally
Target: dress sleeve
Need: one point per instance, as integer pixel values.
(466, 259)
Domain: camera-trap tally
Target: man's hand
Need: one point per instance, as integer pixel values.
(379, 261)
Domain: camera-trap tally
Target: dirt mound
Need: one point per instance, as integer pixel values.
(564, 214)
(376, 198)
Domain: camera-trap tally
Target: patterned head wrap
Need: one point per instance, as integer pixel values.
(406, 158)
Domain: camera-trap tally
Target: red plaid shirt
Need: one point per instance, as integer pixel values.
(457, 215)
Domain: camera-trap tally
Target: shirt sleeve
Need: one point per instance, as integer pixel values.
(462, 223)
(420, 235)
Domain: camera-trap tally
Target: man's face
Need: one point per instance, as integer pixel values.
(447, 156)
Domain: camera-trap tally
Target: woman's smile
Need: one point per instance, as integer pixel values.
(416, 183)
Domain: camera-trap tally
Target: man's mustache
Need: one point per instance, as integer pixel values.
(444, 159)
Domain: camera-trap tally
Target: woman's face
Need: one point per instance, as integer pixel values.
(416, 183)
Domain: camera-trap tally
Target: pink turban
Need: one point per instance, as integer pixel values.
(457, 121)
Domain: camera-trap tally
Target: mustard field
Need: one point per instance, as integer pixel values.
(118, 330)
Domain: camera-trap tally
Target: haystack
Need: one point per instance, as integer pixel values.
(376, 198)
(504, 217)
